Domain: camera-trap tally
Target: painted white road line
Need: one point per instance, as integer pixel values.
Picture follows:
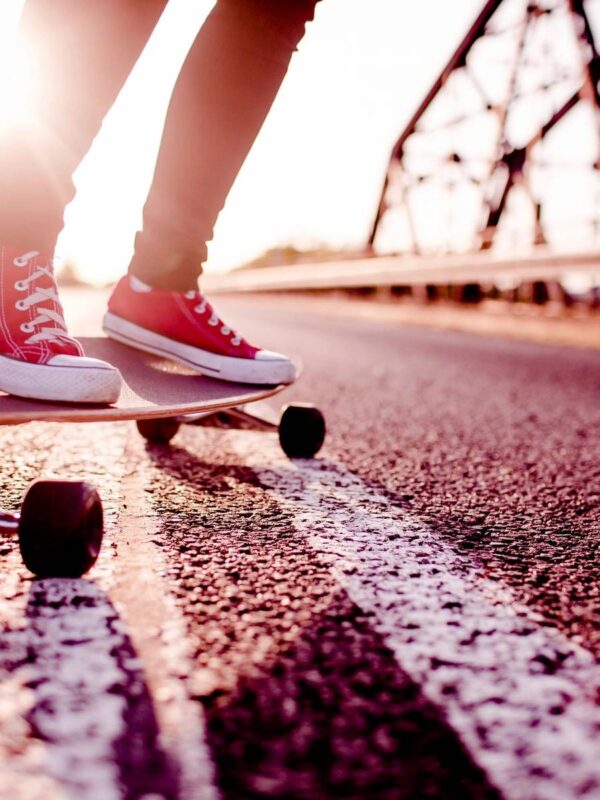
(64, 669)
(158, 632)
(58, 707)
(56, 670)
(521, 696)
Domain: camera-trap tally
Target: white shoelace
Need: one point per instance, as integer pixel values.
(46, 316)
(214, 319)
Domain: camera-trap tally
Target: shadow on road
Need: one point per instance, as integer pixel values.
(302, 697)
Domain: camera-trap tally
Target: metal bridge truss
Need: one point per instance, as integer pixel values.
(504, 151)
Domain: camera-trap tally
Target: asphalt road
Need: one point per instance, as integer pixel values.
(414, 614)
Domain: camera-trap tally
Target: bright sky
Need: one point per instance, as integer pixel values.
(314, 175)
(315, 172)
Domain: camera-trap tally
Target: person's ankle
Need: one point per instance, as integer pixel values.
(166, 282)
(173, 267)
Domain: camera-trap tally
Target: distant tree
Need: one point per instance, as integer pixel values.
(68, 275)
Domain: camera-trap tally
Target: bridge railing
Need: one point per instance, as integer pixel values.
(483, 268)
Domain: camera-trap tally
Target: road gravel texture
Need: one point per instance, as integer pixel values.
(414, 614)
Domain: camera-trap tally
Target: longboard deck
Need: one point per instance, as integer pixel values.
(152, 387)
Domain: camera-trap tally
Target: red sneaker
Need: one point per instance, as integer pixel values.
(184, 327)
(38, 358)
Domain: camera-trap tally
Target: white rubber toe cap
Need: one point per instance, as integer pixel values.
(279, 366)
(64, 379)
(269, 355)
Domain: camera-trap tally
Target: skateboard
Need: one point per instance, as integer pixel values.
(60, 524)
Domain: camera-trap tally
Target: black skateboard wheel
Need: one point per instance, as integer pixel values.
(301, 430)
(158, 431)
(61, 527)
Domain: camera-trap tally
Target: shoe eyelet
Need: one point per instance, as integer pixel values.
(20, 286)
(22, 261)
(213, 324)
(20, 305)
(27, 327)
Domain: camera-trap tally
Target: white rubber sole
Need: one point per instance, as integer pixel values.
(267, 368)
(68, 379)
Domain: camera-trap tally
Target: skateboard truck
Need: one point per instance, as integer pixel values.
(9, 523)
(301, 426)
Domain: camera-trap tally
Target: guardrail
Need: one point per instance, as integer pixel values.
(483, 268)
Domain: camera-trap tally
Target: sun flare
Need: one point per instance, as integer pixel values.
(13, 73)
